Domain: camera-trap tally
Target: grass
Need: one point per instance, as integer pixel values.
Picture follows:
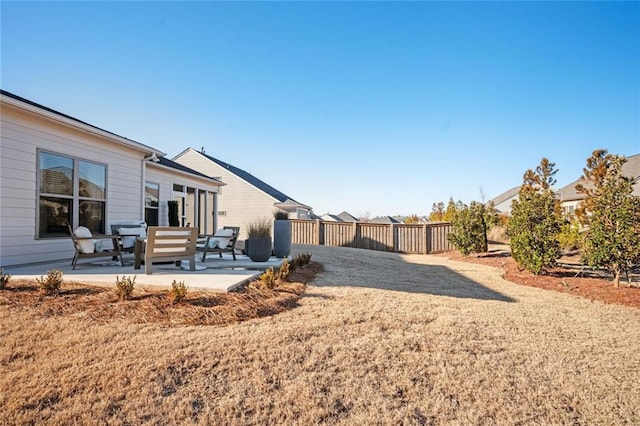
(378, 338)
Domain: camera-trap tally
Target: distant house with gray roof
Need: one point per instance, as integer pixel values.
(347, 217)
(570, 198)
(246, 198)
(384, 219)
(502, 202)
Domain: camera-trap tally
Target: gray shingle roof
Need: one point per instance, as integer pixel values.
(251, 179)
(631, 169)
(172, 164)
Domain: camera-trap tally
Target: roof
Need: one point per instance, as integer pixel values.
(331, 217)
(251, 179)
(347, 217)
(77, 122)
(384, 219)
(630, 168)
(177, 166)
(289, 203)
(507, 195)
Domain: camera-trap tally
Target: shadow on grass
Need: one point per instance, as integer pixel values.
(389, 271)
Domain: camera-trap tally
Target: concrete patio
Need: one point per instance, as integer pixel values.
(215, 274)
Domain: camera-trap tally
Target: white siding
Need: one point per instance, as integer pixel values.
(166, 178)
(240, 201)
(22, 134)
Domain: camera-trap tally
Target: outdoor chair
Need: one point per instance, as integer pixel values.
(223, 241)
(166, 243)
(87, 245)
(130, 233)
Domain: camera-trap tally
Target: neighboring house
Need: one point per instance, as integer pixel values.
(384, 219)
(347, 217)
(327, 217)
(570, 198)
(246, 198)
(502, 202)
(56, 169)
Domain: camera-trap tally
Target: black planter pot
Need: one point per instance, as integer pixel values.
(281, 238)
(259, 249)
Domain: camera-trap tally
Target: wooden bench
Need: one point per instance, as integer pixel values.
(166, 243)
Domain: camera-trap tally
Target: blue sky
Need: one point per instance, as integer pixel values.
(379, 107)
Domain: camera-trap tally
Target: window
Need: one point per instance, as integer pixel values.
(70, 191)
(151, 203)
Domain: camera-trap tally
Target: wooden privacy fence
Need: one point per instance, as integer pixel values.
(402, 238)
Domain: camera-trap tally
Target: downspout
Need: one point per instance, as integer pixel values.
(151, 157)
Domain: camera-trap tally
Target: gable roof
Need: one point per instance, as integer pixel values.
(630, 168)
(506, 195)
(331, 217)
(252, 180)
(347, 217)
(384, 219)
(177, 166)
(26, 104)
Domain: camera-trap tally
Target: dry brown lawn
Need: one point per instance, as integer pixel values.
(378, 338)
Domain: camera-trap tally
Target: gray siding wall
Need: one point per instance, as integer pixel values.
(22, 134)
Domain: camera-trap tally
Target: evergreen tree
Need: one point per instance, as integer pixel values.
(536, 220)
(469, 227)
(611, 214)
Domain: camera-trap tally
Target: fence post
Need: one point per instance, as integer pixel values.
(317, 236)
(424, 238)
(393, 238)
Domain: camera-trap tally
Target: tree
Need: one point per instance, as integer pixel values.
(437, 212)
(611, 215)
(452, 208)
(412, 219)
(535, 220)
(469, 227)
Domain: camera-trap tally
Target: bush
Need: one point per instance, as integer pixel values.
(269, 278)
(569, 236)
(469, 228)
(4, 279)
(284, 271)
(300, 260)
(50, 286)
(178, 292)
(280, 215)
(535, 221)
(124, 287)
(611, 214)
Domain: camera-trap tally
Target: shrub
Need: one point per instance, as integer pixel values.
(50, 286)
(269, 278)
(611, 214)
(4, 279)
(535, 221)
(259, 228)
(469, 227)
(285, 270)
(280, 215)
(124, 287)
(178, 292)
(569, 236)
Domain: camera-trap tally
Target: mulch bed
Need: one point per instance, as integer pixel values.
(567, 278)
(153, 306)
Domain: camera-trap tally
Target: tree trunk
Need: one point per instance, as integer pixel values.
(616, 279)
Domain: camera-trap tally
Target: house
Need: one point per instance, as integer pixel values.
(327, 217)
(246, 198)
(570, 198)
(56, 169)
(502, 202)
(347, 217)
(384, 219)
